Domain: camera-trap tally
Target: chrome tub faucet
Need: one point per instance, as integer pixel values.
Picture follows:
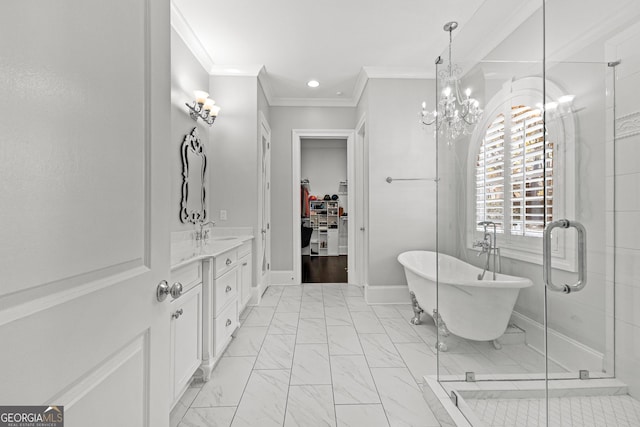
(488, 245)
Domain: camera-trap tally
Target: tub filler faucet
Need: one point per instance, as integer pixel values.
(488, 245)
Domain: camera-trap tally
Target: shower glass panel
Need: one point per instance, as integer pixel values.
(544, 150)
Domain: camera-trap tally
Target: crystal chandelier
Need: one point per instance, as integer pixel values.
(456, 115)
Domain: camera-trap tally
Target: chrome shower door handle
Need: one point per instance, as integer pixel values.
(582, 256)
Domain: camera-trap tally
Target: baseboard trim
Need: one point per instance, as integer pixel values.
(283, 277)
(386, 294)
(565, 351)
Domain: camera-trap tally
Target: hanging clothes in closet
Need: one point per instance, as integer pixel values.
(304, 198)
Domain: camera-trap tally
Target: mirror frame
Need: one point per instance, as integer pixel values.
(192, 145)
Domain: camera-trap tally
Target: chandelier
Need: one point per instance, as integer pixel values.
(455, 115)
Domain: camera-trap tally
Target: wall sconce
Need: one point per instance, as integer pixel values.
(203, 108)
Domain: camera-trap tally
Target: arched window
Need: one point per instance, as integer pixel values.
(511, 173)
(509, 165)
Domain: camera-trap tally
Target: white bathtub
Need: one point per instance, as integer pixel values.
(471, 308)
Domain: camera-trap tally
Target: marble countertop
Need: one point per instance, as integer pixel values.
(182, 255)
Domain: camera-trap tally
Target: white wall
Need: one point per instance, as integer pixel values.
(283, 120)
(627, 206)
(234, 151)
(187, 75)
(401, 214)
(324, 163)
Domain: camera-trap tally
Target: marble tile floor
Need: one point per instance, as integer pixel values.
(318, 354)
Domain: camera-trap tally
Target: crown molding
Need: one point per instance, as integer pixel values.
(361, 84)
(364, 75)
(188, 36)
(252, 70)
(312, 102)
(265, 83)
(399, 73)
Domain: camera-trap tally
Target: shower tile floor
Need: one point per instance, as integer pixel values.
(583, 411)
(318, 354)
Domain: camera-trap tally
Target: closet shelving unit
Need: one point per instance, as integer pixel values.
(324, 220)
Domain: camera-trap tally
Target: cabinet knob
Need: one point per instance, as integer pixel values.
(228, 322)
(228, 261)
(245, 263)
(177, 314)
(176, 290)
(228, 289)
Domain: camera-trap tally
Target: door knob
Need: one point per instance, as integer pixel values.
(162, 290)
(176, 290)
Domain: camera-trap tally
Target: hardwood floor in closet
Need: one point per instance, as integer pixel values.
(324, 269)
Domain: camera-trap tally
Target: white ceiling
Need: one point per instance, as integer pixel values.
(341, 43)
(330, 41)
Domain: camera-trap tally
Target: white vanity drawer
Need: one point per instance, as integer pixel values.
(226, 290)
(189, 275)
(224, 325)
(244, 249)
(225, 262)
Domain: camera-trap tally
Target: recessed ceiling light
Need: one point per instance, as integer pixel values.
(313, 83)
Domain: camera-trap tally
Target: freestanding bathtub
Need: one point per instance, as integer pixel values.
(467, 307)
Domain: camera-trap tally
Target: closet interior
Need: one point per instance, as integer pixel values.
(324, 211)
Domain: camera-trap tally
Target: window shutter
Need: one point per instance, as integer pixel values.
(490, 193)
(527, 158)
(524, 149)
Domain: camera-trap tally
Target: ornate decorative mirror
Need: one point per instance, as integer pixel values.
(194, 164)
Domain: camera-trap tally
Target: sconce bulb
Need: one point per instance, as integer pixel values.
(208, 104)
(201, 96)
(447, 91)
(468, 92)
(214, 110)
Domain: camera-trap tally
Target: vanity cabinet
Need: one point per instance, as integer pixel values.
(186, 328)
(246, 276)
(223, 297)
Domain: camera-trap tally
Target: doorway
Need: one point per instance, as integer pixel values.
(324, 210)
(328, 218)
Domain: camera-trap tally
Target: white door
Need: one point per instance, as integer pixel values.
(84, 202)
(264, 264)
(359, 225)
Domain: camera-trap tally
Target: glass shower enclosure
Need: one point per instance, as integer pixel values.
(542, 192)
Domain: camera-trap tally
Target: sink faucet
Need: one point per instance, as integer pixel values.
(488, 244)
(203, 234)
